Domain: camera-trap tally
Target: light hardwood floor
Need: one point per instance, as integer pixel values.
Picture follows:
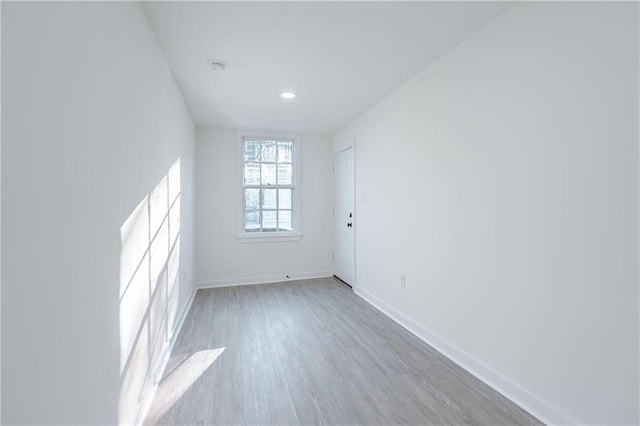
(312, 352)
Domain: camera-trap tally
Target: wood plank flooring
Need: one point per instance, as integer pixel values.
(312, 352)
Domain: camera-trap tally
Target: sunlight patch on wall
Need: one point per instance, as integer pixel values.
(149, 274)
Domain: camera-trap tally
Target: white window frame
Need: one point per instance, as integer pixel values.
(296, 215)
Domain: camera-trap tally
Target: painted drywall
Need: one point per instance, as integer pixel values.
(97, 211)
(220, 258)
(0, 212)
(503, 181)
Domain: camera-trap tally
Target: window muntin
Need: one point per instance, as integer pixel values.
(268, 186)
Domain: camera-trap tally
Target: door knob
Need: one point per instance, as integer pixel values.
(349, 225)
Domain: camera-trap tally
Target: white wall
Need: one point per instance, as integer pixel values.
(94, 132)
(220, 258)
(0, 215)
(503, 181)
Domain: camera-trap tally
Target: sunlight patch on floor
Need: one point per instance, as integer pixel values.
(179, 381)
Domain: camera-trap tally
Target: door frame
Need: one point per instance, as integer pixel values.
(352, 146)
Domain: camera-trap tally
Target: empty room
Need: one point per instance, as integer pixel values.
(320, 212)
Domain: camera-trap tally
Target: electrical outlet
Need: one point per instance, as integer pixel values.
(403, 280)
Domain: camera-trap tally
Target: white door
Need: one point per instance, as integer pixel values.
(344, 217)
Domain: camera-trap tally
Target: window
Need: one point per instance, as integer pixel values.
(270, 192)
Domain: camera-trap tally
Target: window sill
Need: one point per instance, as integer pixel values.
(262, 238)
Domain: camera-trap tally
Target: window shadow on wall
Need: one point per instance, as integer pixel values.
(149, 291)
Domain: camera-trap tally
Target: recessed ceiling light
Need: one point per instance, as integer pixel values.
(288, 95)
(217, 65)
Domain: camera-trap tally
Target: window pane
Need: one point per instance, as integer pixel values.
(251, 150)
(284, 220)
(268, 174)
(269, 198)
(268, 151)
(269, 220)
(251, 173)
(285, 173)
(285, 198)
(285, 152)
(252, 221)
(252, 199)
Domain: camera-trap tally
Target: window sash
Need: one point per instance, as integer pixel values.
(277, 209)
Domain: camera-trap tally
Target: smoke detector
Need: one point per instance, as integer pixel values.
(217, 66)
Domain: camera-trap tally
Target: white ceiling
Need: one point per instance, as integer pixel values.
(339, 57)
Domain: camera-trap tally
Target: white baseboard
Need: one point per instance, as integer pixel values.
(520, 396)
(181, 318)
(152, 385)
(264, 279)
